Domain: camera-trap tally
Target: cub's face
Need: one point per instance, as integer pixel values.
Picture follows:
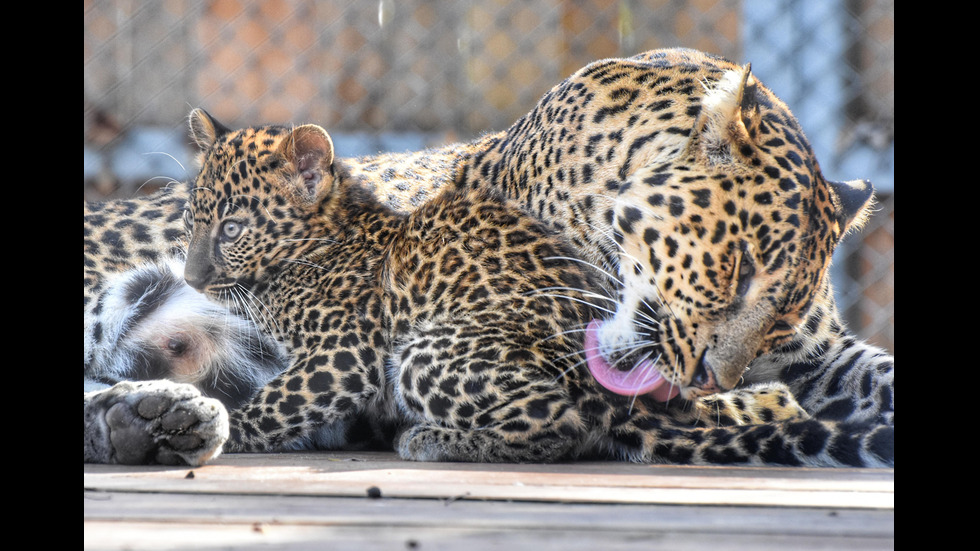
(251, 206)
(723, 249)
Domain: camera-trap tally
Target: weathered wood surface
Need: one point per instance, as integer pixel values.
(321, 501)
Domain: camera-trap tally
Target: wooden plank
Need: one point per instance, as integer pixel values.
(246, 509)
(150, 536)
(189, 521)
(350, 475)
(319, 500)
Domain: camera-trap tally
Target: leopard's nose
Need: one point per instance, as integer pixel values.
(704, 376)
(198, 278)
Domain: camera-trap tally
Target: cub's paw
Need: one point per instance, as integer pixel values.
(753, 405)
(138, 423)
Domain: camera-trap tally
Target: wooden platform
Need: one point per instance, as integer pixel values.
(329, 500)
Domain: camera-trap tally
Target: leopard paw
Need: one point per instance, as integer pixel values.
(757, 404)
(137, 423)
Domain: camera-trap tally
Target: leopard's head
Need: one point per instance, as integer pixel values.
(724, 248)
(252, 204)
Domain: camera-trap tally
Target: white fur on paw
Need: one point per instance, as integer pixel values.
(138, 423)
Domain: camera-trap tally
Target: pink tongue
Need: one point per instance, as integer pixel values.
(643, 378)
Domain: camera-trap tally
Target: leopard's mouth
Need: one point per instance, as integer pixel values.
(642, 378)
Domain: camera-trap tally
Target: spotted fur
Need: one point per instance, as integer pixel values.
(689, 180)
(695, 192)
(439, 323)
(142, 322)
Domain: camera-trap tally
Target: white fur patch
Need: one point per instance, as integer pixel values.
(217, 338)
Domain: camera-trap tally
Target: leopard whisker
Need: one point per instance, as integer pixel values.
(201, 188)
(303, 262)
(592, 265)
(654, 323)
(625, 351)
(642, 374)
(673, 377)
(649, 322)
(605, 233)
(264, 316)
(615, 280)
(233, 167)
(574, 299)
(248, 196)
(579, 329)
(571, 368)
(170, 181)
(172, 158)
(252, 341)
(575, 289)
(328, 240)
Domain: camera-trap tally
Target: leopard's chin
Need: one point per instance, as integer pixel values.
(642, 378)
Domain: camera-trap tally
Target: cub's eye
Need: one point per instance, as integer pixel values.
(188, 220)
(231, 230)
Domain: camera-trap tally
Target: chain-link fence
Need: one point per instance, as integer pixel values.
(402, 75)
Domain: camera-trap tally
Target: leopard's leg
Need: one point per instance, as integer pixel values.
(761, 424)
(803, 442)
(756, 404)
(850, 381)
(153, 422)
(844, 379)
(309, 404)
(481, 394)
(757, 425)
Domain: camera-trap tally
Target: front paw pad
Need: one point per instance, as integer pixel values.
(138, 423)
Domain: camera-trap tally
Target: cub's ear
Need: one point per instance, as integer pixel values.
(205, 130)
(309, 150)
(854, 200)
(728, 111)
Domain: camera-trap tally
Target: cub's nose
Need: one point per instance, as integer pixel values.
(198, 278)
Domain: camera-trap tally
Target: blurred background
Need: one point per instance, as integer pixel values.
(400, 75)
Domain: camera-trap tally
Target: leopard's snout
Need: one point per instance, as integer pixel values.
(704, 377)
(197, 275)
(198, 268)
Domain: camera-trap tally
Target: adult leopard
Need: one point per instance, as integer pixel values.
(692, 183)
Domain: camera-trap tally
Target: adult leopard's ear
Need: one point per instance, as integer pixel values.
(853, 202)
(729, 115)
(309, 150)
(205, 130)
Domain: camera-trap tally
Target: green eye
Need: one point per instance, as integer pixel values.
(231, 230)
